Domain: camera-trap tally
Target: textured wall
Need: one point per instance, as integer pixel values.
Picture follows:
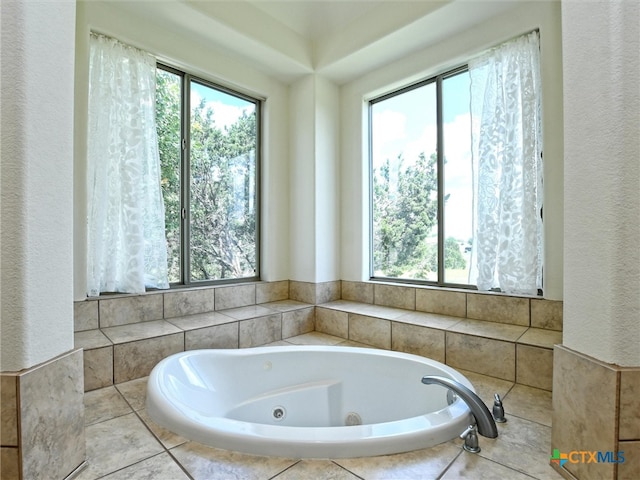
(37, 172)
(601, 41)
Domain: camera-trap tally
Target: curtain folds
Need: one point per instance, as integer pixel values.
(126, 246)
(507, 167)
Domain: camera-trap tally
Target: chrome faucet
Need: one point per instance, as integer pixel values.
(485, 423)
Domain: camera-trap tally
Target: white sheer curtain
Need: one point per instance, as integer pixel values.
(507, 167)
(126, 246)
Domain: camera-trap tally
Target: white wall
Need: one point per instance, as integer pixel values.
(183, 51)
(36, 182)
(303, 179)
(314, 180)
(601, 44)
(448, 54)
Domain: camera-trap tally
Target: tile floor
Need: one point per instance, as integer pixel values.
(123, 443)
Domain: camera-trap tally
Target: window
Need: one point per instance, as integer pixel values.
(422, 181)
(456, 175)
(208, 140)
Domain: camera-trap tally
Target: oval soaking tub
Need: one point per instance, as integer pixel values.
(307, 401)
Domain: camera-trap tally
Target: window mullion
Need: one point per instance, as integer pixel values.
(440, 179)
(185, 181)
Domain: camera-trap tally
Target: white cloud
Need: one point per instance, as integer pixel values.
(389, 126)
(224, 114)
(392, 138)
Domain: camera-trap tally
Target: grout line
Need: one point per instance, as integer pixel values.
(346, 469)
(283, 471)
(449, 465)
(127, 466)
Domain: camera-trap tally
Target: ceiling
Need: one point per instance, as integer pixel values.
(314, 19)
(340, 39)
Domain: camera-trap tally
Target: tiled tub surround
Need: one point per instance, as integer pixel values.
(123, 337)
(123, 443)
(596, 407)
(42, 420)
(506, 337)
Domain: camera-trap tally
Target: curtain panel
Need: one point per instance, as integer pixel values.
(126, 246)
(507, 167)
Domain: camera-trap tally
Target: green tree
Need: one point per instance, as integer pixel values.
(222, 187)
(453, 258)
(405, 210)
(169, 146)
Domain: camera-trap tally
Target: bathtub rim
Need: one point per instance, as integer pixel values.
(383, 438)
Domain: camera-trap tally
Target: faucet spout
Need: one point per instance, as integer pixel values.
(486, 424)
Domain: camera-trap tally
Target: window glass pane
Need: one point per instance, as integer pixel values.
(168, 99)
(223, 147)
(404, 184)
(458, 187)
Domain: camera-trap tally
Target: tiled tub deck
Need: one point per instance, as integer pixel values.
(123, 443)
(510, 338)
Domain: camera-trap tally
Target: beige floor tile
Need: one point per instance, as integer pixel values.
(315, 470)
(277, 343)
(529, 403)
(250, 311)
(134, 392)
(432, 320)
(315, 338)
(351, 343)
(486, 387)
(523, 446)
(492, 330)
(140, 331)
(168, 438)
(418, 465)
(471, 466)
(104, 404)
(200, 320)
(115, 444)
(285, 305)
(207, 463)
(160, 467)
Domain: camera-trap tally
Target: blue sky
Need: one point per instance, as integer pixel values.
(407, 124)
(227, 108)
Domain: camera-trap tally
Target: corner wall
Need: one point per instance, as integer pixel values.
(41, 380)
(314, 182)
(37, 177)
(597, 369)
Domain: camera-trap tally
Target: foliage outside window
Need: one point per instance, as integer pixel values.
(421, 173)
(456, 175)
(208, 141)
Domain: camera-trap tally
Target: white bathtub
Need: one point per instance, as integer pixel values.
(306, 402)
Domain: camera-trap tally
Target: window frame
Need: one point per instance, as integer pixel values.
(186, 79)
(437, 79)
